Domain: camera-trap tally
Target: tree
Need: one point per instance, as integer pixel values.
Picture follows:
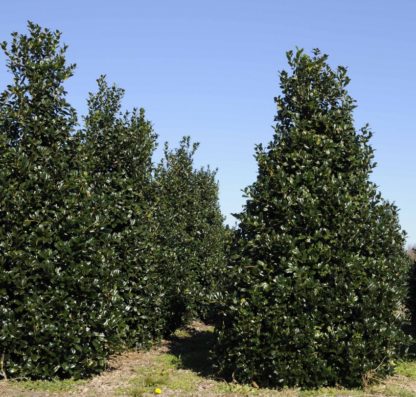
(55, 310)
(117, 152)
(318, 265)
(210, 245)
(190, 232)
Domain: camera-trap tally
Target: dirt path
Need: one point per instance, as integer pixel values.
(122, 369)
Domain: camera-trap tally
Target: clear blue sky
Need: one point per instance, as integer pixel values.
(210, 69)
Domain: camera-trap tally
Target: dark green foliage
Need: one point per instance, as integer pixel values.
(117, 152)
(55, 306)
(98, 250)
(213, 301)
(317, 267)
(190, 235)
(211, 242)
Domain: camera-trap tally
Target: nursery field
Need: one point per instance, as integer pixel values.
(104, 250)
(180, 367)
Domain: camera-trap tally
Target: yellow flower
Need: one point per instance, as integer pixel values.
(157, 391)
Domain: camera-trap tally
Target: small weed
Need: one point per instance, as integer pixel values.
(406, 368)
(234, 388)
(182, 333)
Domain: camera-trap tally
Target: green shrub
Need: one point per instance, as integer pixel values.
(318, 267)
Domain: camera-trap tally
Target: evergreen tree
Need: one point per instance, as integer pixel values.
(318, 265)
(117, 151)
(210, 244)
(54, 308)
(190, 235)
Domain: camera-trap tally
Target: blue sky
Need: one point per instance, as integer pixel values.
(209, 69)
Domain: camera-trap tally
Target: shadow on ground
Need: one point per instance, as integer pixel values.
(191, 346)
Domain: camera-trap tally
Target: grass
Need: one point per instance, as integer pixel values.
(164, 373)
(52, 386)
(407, 368)
(181, 367)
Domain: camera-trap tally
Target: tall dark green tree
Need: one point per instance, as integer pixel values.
(117, 152)
(210, 245)
(318, 264)
(190, 234)
(54, 308)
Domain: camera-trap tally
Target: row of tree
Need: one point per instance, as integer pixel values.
(100, 248)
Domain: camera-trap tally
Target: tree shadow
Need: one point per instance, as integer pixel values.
(191, 346)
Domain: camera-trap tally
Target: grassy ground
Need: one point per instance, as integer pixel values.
(180, 367)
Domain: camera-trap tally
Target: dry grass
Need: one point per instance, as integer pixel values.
(180, 367)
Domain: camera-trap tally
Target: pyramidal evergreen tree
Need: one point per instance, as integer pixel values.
(210, 245)
(318, 267)
(117, 153)
(190, 235)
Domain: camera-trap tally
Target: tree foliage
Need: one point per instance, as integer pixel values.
(54, 308)
(117, 152)
(101, 249)
(190, 234)
(318, 266)
(97, 249)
